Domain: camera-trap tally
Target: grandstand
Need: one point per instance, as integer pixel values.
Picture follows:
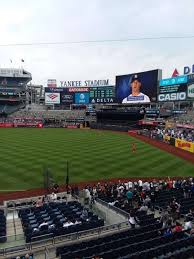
(76, 226)
(13, 89)
(139, 218)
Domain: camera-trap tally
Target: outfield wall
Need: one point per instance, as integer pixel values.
(178, 143)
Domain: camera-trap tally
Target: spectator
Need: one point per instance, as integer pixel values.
(55, 188)
(67, 224)
(167, 232)
(188, 224)
(84, 214)
(44, 223)
(130, 196)
(39, 202)
(132, 219)
(53, 197)
(177, 228)
(144, 207)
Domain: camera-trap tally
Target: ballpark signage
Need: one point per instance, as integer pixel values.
(173, 81)
(86, 83)
(185, 145)
(173, 89)
(52, 98)
(82, 95)
(180, 96)
(190, 91)
(81, 98)
(102, 94)
(102, 100)
(52, 83)
(188, 70)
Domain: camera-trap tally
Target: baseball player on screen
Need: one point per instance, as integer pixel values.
(136, 96)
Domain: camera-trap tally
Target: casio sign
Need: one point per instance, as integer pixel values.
(172, 97)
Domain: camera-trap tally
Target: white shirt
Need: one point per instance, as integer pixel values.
(130, 184)
(140, 98)
(188, 225)
(43, 224)
(132, 220)
(53, 196)
(67, 224)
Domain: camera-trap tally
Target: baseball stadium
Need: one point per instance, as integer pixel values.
(97, 171)
(96, 129)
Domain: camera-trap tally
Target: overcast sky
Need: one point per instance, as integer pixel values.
(25, 21)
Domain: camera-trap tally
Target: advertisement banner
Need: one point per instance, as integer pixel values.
(74, 95)
(102, 94)
(67, 97)
(172, 93)
(52, 83)
(190, 91)
(138, 87)
(185, 145)
(52, 98)
(173, 81)
(166, 138)
(102, 100)
(81, 98)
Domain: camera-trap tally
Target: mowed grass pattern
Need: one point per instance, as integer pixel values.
(92, 155)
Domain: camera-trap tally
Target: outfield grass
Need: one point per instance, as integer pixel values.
(92, 155)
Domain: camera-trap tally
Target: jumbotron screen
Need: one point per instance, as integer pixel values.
(138, 87)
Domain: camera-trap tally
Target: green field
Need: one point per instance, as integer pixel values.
(92, 155)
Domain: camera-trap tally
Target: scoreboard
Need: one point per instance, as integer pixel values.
(81, 95)
(102, 94)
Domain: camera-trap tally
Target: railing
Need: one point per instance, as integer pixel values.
(117, 210)
(18, 204)
(17, 244)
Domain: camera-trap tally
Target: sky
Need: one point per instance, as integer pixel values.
(36, 21)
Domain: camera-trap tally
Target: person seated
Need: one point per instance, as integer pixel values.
(67, 224)
(188, 224)
(44, 223)
(53, 196)
(84, 214)
(144, 208)
(178, 227)
(52, 226)
(78, 222)
(35, 230)
(191, 213)
(167, 232)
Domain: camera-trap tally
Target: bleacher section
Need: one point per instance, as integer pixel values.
(56, 214)
(55, 114)
(164, 199)
(145, 242)
(13, 89)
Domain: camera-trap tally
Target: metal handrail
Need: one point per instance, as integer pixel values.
(117, 210)
(63, 238)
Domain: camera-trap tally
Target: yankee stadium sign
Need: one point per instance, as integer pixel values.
(86, 83)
